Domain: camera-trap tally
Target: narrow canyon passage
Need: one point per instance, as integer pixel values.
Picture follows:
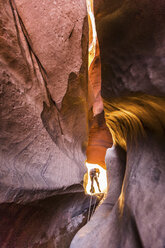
(61, 63)
(132, 88)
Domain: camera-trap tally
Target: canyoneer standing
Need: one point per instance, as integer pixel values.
(100, 138)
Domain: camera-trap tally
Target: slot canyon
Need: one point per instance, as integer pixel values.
(61, 61)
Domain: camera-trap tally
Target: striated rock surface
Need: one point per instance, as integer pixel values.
(131, 37)
(43, 104)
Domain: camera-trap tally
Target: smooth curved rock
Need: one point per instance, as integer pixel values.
(43, 127)
(134, 207)
(95, 233)
(131, 37)
(43, 97)
(37, 136)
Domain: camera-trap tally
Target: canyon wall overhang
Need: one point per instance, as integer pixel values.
(131, 37)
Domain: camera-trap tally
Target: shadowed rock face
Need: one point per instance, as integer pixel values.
(131, 36)
(51, 222)
(43, 97)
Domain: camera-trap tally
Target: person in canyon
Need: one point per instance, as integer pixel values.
(117, 120)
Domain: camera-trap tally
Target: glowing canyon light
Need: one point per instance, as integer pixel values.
(102, 180)
(92, 32)
(95, 181)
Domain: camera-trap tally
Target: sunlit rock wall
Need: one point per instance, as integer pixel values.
(43, 97)
(131, 36)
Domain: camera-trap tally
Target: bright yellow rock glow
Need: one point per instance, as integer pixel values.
(92, 32)
(102, 179)
(93, 51)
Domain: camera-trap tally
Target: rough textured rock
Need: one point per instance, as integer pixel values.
(51, 222)
(43, 97)
(131, 36)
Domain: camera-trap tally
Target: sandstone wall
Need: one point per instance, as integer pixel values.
(131, 36)
(43, 127)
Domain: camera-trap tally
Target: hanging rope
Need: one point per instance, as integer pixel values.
(94, 207)
(90, 204)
